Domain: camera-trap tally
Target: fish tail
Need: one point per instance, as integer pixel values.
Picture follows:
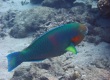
(14, 60)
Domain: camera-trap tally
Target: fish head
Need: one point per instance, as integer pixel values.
(82, 31)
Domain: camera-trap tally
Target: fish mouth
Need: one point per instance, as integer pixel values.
(83, 29)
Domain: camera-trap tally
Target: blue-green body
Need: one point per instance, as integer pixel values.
(52, 43)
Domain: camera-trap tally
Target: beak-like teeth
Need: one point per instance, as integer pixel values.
(84, 29)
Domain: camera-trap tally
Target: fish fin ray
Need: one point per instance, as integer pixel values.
(14, 60)
(72, 49)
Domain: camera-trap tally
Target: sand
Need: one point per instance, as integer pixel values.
(8, 45)
(15, 5)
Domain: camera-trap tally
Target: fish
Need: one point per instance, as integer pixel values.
(53, 43)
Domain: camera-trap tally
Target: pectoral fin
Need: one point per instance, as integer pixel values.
(72, 49)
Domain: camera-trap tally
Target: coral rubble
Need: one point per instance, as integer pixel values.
(104, 7)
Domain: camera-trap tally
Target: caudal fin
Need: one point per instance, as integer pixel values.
(14, 60)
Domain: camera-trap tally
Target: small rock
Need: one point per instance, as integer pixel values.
(58, 3)
(93, 39)
(43, 78)
(72, 76)
(36, 1)
(104, 7)
(18, 32)
(76, 75)
(44, 66)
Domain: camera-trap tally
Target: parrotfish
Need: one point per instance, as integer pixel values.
(54, 42)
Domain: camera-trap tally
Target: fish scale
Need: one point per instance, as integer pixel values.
(53, 43)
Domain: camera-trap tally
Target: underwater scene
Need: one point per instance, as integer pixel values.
(54, 39)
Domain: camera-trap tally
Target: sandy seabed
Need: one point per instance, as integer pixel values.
(8, 45)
